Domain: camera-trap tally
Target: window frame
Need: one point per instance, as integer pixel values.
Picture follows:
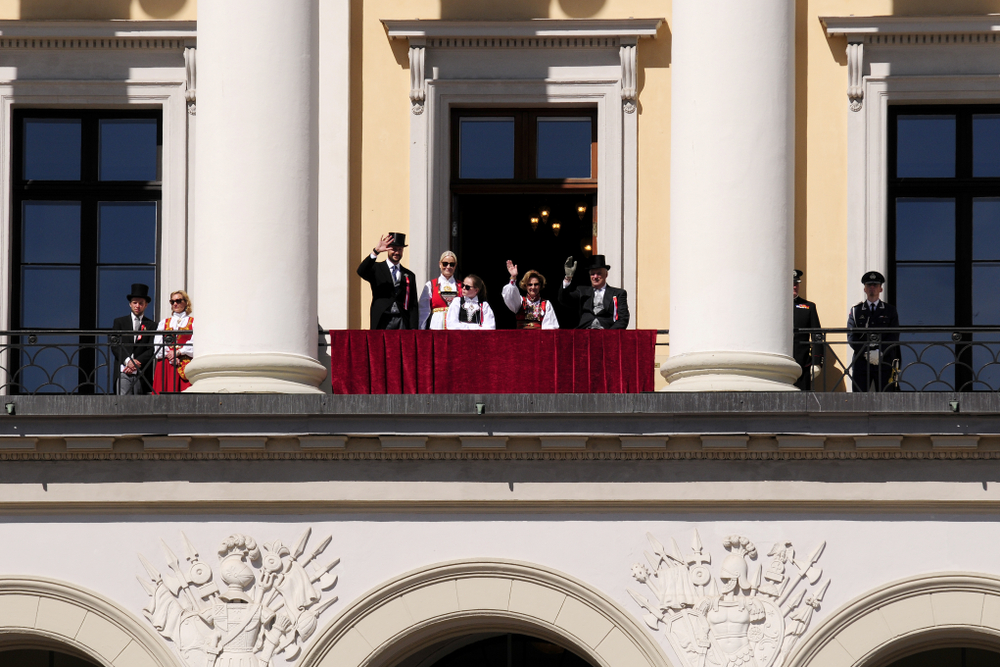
(90, 191)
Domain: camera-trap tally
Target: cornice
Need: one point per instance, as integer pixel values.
(97, 34)
(551, 31)
(890, 29)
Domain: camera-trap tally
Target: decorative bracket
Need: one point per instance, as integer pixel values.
(191, 77)
(855, 89)
(418, 85)
(630, 92)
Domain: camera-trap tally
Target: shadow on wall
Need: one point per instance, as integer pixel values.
(99, 9)
(517, 9)
(938, 8)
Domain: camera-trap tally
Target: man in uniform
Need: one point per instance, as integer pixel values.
(134, 351)
(600, 306)
(807, 353)
(394, 287)
(873, 359)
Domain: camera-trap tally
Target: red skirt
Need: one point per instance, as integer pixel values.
(166, 379)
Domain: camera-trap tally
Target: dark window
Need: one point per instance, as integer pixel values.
(944, 232)
(950, 657)
(86, 197)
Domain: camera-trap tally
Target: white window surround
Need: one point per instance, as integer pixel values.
(542, 62)
(105, 65)
(902, 60)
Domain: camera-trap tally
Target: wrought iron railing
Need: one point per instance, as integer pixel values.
(58, 361)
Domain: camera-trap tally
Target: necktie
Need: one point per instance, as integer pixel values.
(135, 324)
(395, 274)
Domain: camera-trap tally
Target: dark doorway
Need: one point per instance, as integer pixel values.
(511, 651)
(493, 228)
(41, 658)
(950, 657)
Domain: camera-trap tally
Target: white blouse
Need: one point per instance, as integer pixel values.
(512, 298)
(177, 321)
(472, 305)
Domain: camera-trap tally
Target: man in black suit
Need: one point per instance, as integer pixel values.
(394, 287)
(600, 306)
(874, 358)
(806, 350)
(134, 350)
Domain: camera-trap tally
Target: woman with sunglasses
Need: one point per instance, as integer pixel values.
(438, 294)
(174, 351)
(470, 311)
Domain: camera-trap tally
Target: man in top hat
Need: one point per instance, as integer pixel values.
(873, 358)
(394, 287)
(806, 350)
(600, 306)
(134, 351)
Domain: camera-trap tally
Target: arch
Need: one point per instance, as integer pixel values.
(46, 612)
(451, 599)
(904, 617)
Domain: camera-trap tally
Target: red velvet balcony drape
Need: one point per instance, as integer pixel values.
(492, 362)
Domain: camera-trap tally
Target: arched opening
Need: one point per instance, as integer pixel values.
(35, 657)
(501, 649)
(950, 657)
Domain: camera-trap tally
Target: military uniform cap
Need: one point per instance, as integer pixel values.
(796, 276)
(873, 277)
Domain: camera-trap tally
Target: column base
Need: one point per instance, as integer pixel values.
(731, 371)
(253, 373)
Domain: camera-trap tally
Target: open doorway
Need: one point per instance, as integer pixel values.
(524, 188)
(493, 228)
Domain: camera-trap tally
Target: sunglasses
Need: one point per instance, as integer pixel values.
(176, 301)
(447, 263)
(468, 287)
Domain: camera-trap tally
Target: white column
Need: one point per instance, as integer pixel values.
(731, 196)
(254, 246)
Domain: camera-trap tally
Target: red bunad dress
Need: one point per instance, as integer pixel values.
(531, 316)
(167, 377)
(440, 303)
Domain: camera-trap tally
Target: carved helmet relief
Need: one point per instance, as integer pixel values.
(265, 601)
(736, 619)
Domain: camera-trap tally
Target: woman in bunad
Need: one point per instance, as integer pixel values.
(531, 312)
(470, 311)
(174, 352)
(438, 294)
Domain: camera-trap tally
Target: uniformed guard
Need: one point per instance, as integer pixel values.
(807, 349)
(874, 356)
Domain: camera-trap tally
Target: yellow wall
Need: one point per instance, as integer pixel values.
(98, 9)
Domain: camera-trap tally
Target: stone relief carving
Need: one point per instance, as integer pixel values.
(263, 602)
(191, 78)
(855, 78)
(734, 619)
(630, 93)
(418, 85)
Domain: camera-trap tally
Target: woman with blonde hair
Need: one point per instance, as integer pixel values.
(438, 294)
(174, 351)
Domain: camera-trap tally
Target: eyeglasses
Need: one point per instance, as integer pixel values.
(468, 286)
(447, 263)
(176, 301)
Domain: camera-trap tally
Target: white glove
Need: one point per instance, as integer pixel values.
(570, 267)
(815, 371)
(873, 357)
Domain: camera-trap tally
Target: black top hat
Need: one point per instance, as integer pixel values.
(873, 277)
(797, 276)
(597, 262)
(139, 291)
(397, 239)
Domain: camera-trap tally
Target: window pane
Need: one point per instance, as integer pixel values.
(563, 148)
(986, 145)
(487, 148)
(127, 232)
(52, 149)
(50, 298)
(985, 295)
(51, 367)
(925, 229)
(986, 228)
(128, 149)
(113, 285)
(925, 294)
(925, 146)
(51, 232)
